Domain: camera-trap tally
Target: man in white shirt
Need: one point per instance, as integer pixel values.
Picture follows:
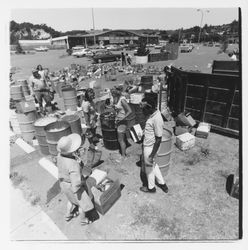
(152, 138)
(39, 89)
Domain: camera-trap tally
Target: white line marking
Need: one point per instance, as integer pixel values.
(49, 166)
(26, 147)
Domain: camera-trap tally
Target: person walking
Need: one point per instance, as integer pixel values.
(71, 180)
(152, 138)
(39, 89)
(123, 110)
(129, 59)
(123, 59)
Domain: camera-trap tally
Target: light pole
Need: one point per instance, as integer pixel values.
(92, 11)
(202, 14)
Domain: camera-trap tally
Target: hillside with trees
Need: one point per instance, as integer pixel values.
(218, 33)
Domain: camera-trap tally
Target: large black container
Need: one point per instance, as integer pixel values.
(109, 131)
(54, 132)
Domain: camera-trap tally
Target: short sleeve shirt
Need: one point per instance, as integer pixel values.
(37, 84)
(89, 108)
(154, 127)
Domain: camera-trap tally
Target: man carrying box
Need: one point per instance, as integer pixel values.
(152, 138)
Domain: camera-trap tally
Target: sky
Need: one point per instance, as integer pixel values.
(124, 18)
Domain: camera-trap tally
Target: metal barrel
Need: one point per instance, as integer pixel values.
(40, 133)
(16, 92)
(25, 88)
(75, 123)
(70, 98)
(164, 152)
(26, 123)
(109, 131)
(54, 132)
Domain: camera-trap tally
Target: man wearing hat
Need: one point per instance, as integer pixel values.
(72, 182)
(39, 89)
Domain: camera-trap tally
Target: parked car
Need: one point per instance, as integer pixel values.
(114, 47)
(82, 52)
(106, 56)
(186, 48)
(158, 46)
(41, 49)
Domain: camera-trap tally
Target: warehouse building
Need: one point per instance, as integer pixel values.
(105, 38)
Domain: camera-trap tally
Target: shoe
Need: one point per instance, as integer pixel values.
(163, 187)
(147, 190)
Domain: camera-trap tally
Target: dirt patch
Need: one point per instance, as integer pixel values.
(151, 216)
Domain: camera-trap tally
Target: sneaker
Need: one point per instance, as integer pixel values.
(163, 187)
(147, 190)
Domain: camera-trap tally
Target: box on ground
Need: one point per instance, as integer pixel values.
(104, 200)
(185, 120)
(203, 130)
(185, 141)
(26, 106)
(179, 130)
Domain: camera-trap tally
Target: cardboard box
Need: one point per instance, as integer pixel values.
(203, 130)
(106, 199)
(25, 106)
(185, 141)
(185, 120)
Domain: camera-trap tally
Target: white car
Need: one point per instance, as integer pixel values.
(82, 52)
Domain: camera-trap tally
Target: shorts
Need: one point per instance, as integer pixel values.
(122, 128)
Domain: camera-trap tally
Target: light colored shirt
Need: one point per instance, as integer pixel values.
(89, 108)
(154, 127)
(36, 84)
(70, 171)
(234, 57)
(121, 113)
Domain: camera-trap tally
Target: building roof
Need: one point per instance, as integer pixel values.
(99, 33)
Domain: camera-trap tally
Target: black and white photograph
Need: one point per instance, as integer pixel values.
(125, 122)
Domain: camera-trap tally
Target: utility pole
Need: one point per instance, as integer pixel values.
(202, 14)
(92, 11)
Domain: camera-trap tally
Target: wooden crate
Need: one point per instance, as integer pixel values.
(108, 197)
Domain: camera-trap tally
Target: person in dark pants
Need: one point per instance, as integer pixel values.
(129, 59)
(123, 59)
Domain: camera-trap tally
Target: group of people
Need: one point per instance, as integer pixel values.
(126, 59)
(74, 175)
(75, 185)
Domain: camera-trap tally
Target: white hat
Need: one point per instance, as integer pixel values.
(69, 144)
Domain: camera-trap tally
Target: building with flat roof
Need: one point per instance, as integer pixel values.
(105, 38)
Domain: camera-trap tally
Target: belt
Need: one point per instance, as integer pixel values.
(41, 90)
(64, 180)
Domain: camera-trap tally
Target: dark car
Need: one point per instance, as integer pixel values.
(106, 56)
